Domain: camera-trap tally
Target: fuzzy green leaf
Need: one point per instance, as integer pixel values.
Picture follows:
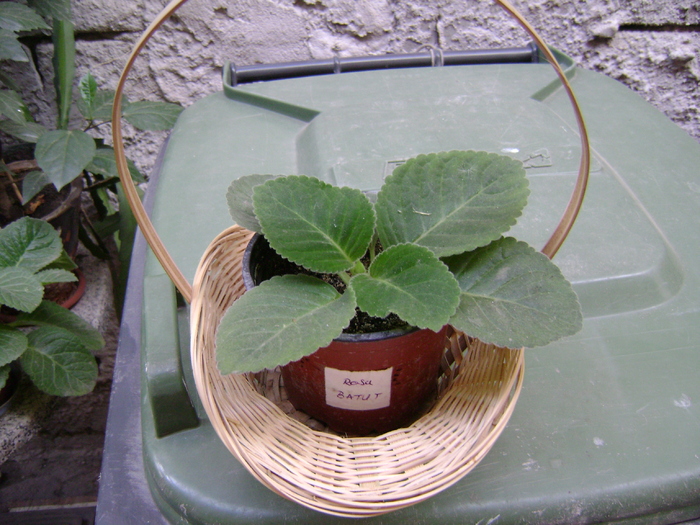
(321, 227)
(64, 154)
(411, 282)
(26, 131)
(17, 17)
(63, 262)
(13, 343)
(10, 48)
(513, 296)
(19, 289)
(55, 276)
(29, 243)
(50, 314)
(58, 364)
(282, 320)
(451, 202)
(240, 200)
(149, 115)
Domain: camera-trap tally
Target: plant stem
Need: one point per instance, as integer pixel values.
(373, 246)
(358, 268)
(9, 174)
(344, 276)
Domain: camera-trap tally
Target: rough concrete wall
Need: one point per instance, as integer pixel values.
(653, 46)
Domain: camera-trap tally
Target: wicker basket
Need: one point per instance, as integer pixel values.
(352, 477)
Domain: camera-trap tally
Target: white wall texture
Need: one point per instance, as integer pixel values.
(653, 46)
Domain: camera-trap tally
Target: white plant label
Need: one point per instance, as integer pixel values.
(358, 390)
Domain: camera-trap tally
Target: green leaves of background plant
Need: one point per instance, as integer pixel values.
(29, 243)
(52, 315)
(150, 115)
(15, 17)
(281, 320)
(12, 106)
(12, 344)
(513, 295)
(56, 9)
(58, 364)
(26, 247)
(20, 289)
(411, 282)
(322, 227)
(451, 202)
(64, 154)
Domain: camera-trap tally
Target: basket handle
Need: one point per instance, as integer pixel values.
(165, 259)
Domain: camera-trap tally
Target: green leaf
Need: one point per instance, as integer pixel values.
(33, 183)
(101, 106)
(4, 375)
(240, 200)
(451, 202)
(17, 17)
(321, 227)
(513, 296)
(87, 87)
(13, 343)
(29, 243)
(19, 289)
(52, 315)
(148, 115)
(8, 81)
(12, 106)
(282, 320)
(64, 154)
(411, 282)
(55, 276)
(56, 9)
(63, 262)
(10, 48)
(26, 131)
(104, 163)
(58, 364)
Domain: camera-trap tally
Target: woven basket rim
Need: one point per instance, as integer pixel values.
(344, 476)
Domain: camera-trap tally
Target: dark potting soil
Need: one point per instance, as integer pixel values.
(274, 264)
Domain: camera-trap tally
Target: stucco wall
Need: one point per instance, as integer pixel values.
(653, 46)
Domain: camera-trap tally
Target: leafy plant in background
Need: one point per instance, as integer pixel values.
(68, 151)
(429, 250)
(52, 344)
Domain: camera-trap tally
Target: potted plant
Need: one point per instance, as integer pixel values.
(52, 344)
(69, 156)
(426, 253)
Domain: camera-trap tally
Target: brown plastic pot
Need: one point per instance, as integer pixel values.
(360, 384)
(368, 383)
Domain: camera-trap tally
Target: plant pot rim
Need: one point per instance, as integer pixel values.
(349, 338)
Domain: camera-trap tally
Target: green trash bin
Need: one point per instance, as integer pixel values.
(607, 427)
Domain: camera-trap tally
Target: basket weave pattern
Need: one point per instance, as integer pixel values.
(352, 477)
